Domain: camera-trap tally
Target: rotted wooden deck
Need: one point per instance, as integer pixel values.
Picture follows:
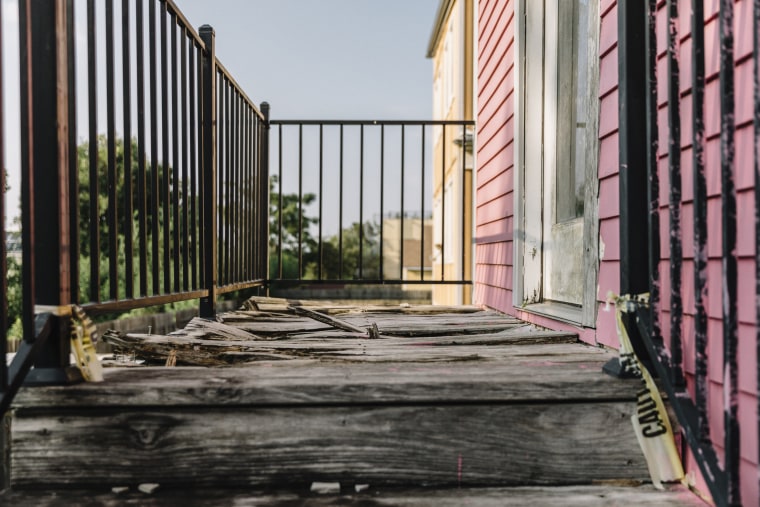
(289, 394)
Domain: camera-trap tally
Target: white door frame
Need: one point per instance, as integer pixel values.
(525, 243)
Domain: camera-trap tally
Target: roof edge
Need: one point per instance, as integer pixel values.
(444, 9)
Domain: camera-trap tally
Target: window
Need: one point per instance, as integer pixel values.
(572, 106)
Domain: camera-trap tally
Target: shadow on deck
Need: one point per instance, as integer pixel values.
(302, 396)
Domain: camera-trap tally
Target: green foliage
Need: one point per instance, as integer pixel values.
(331, 251)
(86, 219)
(14, 297)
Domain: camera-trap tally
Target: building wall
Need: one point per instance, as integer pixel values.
(451, 50)
(494, 174)
(495, 180)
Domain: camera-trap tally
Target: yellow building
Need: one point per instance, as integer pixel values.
(415, 257)
(451, 48)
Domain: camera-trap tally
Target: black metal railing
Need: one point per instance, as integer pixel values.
(687, 386)
(347, 194)
(170, 203)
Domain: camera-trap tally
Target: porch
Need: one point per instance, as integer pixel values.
(334, 404)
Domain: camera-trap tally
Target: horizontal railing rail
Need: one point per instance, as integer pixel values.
(144, 172)
(370, 202)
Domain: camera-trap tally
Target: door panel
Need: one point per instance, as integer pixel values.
(556, 66)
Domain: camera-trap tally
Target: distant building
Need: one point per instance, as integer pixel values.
(451, 48)
(13, 244)
(417, 256)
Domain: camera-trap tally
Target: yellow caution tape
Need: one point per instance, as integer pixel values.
(650, 422)
(83, 337)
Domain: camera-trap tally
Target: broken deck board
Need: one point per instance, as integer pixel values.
(298, 332)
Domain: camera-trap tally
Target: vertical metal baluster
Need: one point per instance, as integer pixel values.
(113, 219)
(279, 203)
(155, 192)
(208, 162)
(221, 182)
(3, 251)
(361, 202)
(73, 152)
(248, 199)
(340, 208)
(261, 157)
(464, 200)
(756, 162)
(226, 180)
(321, 218)
(443, 204)
(240, 193)
(28, 271)
(403, 215)
(141, 181)
(165, 197)
(175, 183)
(300, 201)
(700, 217)
(674, 162)
(258, 218)
(653, 178)
(194, 222)
(232, 184)
(422, 207)
(92, 88)
(200, 104)
(728, 198)
(129, 275)
(185, 176)
(237, 250)
(382, 194)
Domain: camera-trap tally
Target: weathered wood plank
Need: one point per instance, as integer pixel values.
(563, 496)
(452, 445)
(524, 378)
(333, 345)
(326, 319)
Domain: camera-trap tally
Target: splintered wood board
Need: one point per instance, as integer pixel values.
(311, 332)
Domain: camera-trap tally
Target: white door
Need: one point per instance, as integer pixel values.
(556, 95)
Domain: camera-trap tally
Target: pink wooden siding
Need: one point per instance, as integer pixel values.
(609, 209)
(495, 171)
(496, 102)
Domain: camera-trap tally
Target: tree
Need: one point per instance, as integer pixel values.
(293, 218)
(331, 245)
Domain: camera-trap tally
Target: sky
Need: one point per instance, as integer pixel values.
(326, 58)
(310, 59)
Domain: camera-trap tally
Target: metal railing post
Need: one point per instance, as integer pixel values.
(48, 241)
(264, 197)
(208, 170)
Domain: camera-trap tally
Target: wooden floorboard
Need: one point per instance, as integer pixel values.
(571, 496)
(447, 445)
(441, 397)
(519, 373)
